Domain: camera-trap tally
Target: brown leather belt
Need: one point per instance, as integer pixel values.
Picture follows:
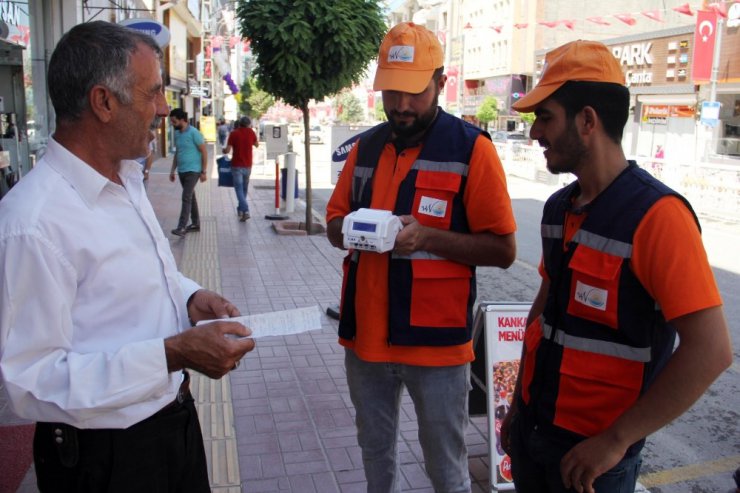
(182, 394)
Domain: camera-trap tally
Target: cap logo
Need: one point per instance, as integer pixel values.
(401, 53)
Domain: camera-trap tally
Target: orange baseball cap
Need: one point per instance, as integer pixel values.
(585, 61)
(408, 57)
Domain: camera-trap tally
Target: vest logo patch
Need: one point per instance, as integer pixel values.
(432, 206)
(591, 296)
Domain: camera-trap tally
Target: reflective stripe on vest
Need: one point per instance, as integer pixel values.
(591, 240)
(456, 168)
(603, 244)
(641, 355)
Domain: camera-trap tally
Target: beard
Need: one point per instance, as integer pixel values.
(567, 151)
(419, 123)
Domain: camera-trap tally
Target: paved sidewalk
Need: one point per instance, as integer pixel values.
(283, 421)
(289, 404)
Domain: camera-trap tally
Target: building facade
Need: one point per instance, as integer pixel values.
(36, 29)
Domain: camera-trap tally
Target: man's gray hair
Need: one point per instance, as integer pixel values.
(90, 54)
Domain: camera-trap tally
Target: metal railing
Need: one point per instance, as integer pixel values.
(713, 189)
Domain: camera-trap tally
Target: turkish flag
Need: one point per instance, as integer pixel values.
(704, 37)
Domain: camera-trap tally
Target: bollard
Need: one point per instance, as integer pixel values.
(290, 182)
(277, 216)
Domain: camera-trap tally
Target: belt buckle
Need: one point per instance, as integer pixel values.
(184, 387)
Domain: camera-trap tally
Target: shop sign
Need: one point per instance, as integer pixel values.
(635, 56)
(155, 29)
(10, 12)
(658, 114)
(643, 77)
(710, 113)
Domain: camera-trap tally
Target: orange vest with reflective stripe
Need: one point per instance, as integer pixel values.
(430, 298)
(601, 339)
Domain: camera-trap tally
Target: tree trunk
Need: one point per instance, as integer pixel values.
(307, 151)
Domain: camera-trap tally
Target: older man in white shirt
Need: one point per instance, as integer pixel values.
(95, 319)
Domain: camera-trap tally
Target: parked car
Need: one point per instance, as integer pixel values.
(315, 135)
(503, 136)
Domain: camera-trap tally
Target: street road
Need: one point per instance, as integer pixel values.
(699, 451)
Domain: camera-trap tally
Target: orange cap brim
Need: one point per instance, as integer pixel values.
(411, 81)
(529, 102)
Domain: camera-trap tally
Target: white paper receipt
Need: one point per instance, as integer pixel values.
(282, 323)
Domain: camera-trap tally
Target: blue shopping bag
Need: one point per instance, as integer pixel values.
(224, 172)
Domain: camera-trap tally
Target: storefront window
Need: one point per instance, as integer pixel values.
(17, 112)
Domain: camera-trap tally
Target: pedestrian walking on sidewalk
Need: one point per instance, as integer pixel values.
(623, 270)
(406, 315)
(223, 132)
(241, 140)
(95, 319)
(190, 161)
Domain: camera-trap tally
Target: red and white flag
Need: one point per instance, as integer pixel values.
(684, 9)
(653, 14)
(598, 20)
(704, 38)
(626, 18)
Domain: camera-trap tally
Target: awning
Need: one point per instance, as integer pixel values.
(670, 99)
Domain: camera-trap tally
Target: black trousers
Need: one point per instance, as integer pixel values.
(163, 453)
(189, 207)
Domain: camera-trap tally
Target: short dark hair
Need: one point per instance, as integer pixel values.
(438, 73)
(610, 101)
(244, 121)
(90, 54)
(179, 113)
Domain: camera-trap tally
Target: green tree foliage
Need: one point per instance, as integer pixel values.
(308, 50)
(254, 101)
(348, 108)
(528, 118)
(380, 112)
(488, 110)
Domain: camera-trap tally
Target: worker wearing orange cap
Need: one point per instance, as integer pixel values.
(406, 315)
(623, 269)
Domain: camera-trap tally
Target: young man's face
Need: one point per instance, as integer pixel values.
(564, 148)
(409, 114)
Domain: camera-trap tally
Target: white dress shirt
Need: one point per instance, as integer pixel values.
(89, 289)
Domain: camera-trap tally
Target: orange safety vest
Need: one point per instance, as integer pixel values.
(430, 298)
(601, 339)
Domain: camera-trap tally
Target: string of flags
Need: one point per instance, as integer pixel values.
(629, 18)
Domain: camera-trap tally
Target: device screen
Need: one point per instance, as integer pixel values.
(368, 227)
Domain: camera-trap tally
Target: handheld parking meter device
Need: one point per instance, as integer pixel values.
(373, 230)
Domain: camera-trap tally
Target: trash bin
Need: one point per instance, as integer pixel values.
(225, 179)
(284, 181)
